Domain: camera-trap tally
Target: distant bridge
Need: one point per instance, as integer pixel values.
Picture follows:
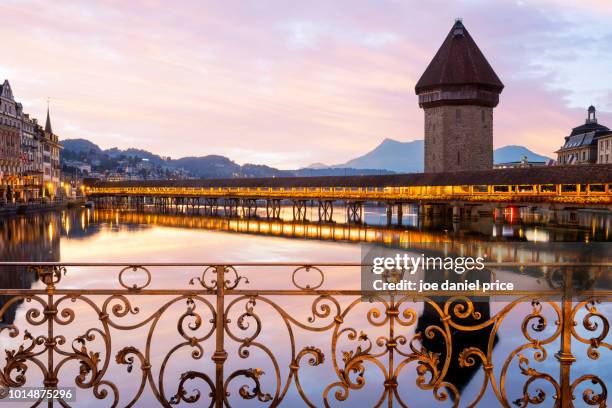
(587, 186)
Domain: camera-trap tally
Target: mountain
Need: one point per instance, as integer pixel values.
(211, 166)
(142, 154)
(317, 166)
(401, 157)
(513, 153)
(407, 157)
(338, 171)
(391, 156)
(80, 146)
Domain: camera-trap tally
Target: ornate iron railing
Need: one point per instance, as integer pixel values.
(215, 311)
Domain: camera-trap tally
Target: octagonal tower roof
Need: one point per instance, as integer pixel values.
(459, 62)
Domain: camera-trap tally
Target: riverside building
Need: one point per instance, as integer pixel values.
(29, 154)
(586, 144)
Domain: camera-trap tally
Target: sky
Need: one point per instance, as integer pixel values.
(290, 83)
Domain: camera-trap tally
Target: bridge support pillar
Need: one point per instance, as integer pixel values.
(139, 204)
(469, 215)
(299, 210)
(456, 212)
(326, 211)
(400, 213)
(249, 207)
(174, 204)
(552, 215)
(230, 207)
(194, 202)
(273, 209)
(211, 206)
(354, 212)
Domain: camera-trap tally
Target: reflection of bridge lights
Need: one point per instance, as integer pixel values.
(536, 235)
(50, 231)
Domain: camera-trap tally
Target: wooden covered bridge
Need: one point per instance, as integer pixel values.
(585, 186)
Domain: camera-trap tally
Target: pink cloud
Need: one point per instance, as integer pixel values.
(229, 77)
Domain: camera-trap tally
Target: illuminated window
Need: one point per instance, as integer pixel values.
(502, 189)
(461, 189)
(569, 188)
(548, 188)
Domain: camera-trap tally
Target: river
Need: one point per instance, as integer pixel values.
(88, 235)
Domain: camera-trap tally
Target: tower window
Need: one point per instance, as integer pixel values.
(458, 158)
(482, 115)
(458, 115)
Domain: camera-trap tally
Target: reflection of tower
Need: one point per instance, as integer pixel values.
(458, 92)
(457, 375)
(35, 239)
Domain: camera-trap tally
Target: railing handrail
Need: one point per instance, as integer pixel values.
(216, 310)
(281, 264)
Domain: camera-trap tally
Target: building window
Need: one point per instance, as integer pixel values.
(482, 115)
(458, 158)
(458, 115)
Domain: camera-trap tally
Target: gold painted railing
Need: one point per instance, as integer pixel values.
(397, 355)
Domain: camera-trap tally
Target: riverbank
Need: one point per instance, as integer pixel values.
(23, 208)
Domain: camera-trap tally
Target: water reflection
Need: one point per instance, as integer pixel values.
(34, 238)
(104, 235)
(37, 237)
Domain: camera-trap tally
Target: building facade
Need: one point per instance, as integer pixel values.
(604, 149)
(31, 159)
(29, 154)
(458, 92)
(582, 144)
(51, 167)
(10, 145)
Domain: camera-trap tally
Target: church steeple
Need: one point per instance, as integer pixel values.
(48, 128)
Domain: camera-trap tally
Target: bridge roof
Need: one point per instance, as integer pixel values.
(577, 174)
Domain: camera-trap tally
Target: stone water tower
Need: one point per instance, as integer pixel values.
(458, 92)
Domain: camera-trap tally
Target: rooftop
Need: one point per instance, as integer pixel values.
(459, 61)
